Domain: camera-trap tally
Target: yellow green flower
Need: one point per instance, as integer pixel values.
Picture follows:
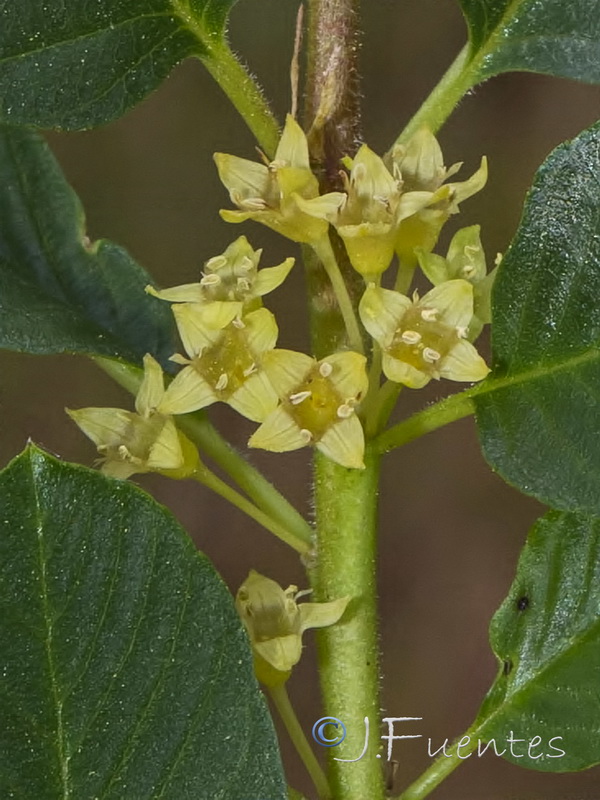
(269, 193)
(318, 402)
(465, 259)
(224, 360)
(145, 441)
(424, 338)
(232, 276)
(368, 214)
(275, 624)
(421, 165)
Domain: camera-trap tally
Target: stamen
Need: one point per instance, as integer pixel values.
(411, 337)
(430, 355)
(468, 270)
(253, 204)
(306, 435)
(216, 262)
(344, 411)
(238, 323)
(461, 332)
(429, 314)
(299, 397)
(359, 173)
(221, 384)
(250, 370)
(246, 264)
(325, 369)
(212, 279)
(278, 163)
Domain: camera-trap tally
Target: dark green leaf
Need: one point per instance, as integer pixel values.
(78, 63)
(125, 672)
(539, 413)
(556, 37)
(546, 635)
(58, 292)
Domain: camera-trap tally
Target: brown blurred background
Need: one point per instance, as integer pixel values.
(451, 531)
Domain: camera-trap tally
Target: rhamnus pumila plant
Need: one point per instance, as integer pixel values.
(127, 668)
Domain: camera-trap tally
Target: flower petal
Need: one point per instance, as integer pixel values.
(286, 369)
(454, 302)
(381, 311)
(474, 184)
(188, 392)
(401, 372)
(199, 325)
(278, 433)
(261, 331)
(186, 293)
(151, 389)
(241, 176)
(292, 149)
(166, 452)
(463, 363)
(349, 375)
(270, 278)
(106, 427)
(344, 443)
(320, 615)
(255, 399)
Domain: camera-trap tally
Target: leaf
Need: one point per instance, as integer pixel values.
(538, 414)
(80, 63)
(59, 292)
(546, 635)
(550, 36)
(125, 671)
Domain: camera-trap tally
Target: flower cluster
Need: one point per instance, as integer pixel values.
(396, 207)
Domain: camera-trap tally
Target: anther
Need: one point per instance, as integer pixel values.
(246, 264)
(216, 262)
(212, 279)
(306, 435)
(249, 370)
(461, 332)
(299, 397)
(243, 284)
(344, 411)
(221, 384)
(429, 314)
(430, 355)
(411, 337)
(468, 270)
(238, 323)
(325, 369)
(253, 203)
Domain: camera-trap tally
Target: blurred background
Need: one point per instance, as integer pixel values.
(451, 531)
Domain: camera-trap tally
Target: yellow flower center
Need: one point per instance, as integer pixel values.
(228, 363)
(314, 404)
(422, 341)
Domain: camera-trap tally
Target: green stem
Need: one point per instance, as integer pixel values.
(441, 768)
(201, 431)
(244, 93)
(286, 711)
(212, 481)
(346, 512)
(430, 419)
(442, 100)
(324, 251)
(382, 407)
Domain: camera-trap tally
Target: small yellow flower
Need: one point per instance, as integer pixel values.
(269, 193)
(465, 260)
(368, 215)
(424, 338)
(275, 624)
(318, 405)
(232, 276)
(224, 360)
(421, 165)
(146, 441)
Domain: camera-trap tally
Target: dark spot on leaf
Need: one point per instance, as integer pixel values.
(523, 603)
(507, 668)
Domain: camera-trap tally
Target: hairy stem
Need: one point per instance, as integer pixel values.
(245, 95)
(346, 509)
(212, 481)
(286, 711)
(430, 419)
(443, 99)
(210, 442)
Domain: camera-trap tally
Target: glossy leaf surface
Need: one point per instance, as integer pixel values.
(125, 671)
(550, 36)
(546, 635)
(539, 412)
(78, 63)
(58, 291)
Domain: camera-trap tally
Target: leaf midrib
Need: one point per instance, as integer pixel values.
(48, 643)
